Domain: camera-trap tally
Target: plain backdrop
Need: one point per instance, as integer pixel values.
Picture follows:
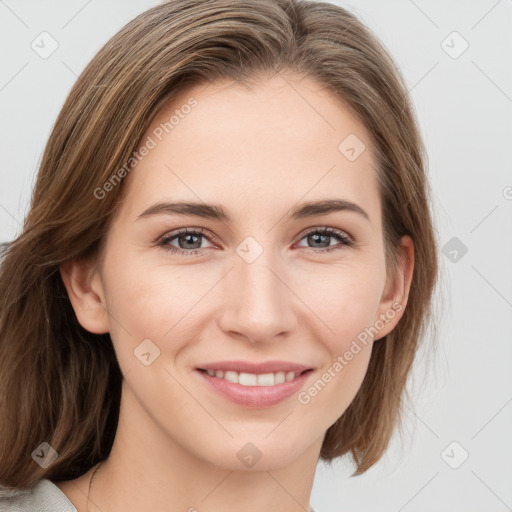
(456, 451)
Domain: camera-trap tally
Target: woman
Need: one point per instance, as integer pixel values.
(143, 373)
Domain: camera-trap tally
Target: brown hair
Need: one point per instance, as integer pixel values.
(62, 384)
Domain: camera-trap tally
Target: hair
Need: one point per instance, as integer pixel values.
(61, 384)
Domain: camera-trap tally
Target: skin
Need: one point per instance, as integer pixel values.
(257, 153)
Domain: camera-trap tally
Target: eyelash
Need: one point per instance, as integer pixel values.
(345, 240)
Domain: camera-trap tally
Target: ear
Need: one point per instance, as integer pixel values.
(396, 291)
(85, 290)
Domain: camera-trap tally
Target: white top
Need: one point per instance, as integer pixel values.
(45, 496)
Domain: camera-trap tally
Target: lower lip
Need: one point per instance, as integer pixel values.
(255, 396)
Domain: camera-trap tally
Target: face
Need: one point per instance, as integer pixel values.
(269, 295)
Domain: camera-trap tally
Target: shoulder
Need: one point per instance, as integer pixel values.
(44, 496)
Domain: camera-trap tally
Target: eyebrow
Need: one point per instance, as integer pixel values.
(217, 212)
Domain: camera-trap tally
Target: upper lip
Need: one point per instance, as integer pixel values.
(256, 368)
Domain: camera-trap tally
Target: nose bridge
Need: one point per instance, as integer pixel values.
(258, 304)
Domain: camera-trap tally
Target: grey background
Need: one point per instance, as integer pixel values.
(460, 394)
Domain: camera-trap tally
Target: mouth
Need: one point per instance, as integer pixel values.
(252, 384)
(254, 379)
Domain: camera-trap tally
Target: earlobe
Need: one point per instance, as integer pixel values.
(85, 292)
(394, 298)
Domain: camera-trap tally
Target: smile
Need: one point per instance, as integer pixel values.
(252, 384)
(253, 379)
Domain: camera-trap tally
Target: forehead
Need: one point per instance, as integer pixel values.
(265, 148)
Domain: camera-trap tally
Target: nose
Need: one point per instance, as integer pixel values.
(259, 303)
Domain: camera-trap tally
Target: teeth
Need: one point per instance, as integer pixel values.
(251, 379)
(231, 377)
(248, 379)
(265, 379)
(279, 377)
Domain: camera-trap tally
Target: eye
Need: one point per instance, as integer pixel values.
(189, 240)
(323, 235)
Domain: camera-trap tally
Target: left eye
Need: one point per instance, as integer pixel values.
(189, 241)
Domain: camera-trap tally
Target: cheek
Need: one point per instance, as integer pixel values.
(149, 303)
(346, 298)
(348, 306)
(347, 351)
(334, 389)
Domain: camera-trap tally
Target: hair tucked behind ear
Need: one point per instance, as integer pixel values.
(61, 384)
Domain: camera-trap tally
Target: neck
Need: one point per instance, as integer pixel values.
(146, 470)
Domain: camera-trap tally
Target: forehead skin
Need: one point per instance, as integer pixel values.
(257, 151)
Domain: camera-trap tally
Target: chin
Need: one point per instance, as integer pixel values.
(259, 454)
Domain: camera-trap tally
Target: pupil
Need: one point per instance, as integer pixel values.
(188, 238)
(317, 236)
